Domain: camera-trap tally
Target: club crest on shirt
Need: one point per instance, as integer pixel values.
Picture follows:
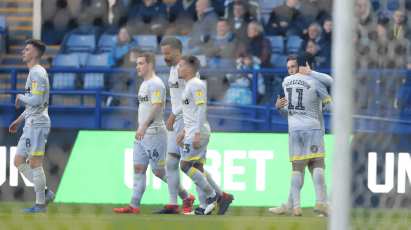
(156, 93)
(34, 84)
(199, 93)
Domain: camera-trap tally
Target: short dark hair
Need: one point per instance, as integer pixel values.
(223, 20)
(292, 58)
(174, 43)
(40, 46)
(304, 57)
(150, 58)
(192, 61)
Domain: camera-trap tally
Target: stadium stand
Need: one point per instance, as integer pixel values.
(293, 44)
(105, 42)
(147, 43)
(81, 43)
(277, 44)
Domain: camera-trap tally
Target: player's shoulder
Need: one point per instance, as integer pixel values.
(38, 71)
(195, 83)
(156, 81)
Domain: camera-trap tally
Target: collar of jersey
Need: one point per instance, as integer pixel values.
(300, 74)
(33, 67)
(152, 77)
(191, 79)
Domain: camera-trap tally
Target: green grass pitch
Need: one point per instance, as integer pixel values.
(91, 216)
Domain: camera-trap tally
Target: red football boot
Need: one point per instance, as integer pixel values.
(224, 203)
(169, 209)
(128, 209)
(188, 204)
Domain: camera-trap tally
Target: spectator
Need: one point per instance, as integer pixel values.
(238, 23)
(182, 17)
(320, 61)
(123, 11)
(403, 100)
(367, 24)
(256, 44)
(398, 29)
(124, 44)
(240, 91)
(218, 7)
(221, 47)
(283, 20)
(253, 11)
(202, 28)
(310, 11)
(314, 33)
(151, 17)
(325, 40)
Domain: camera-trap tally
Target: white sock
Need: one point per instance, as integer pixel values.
(289, 204)
(202, 197)
(320, 186)
(181, 191)
(39, 181)
(296, 187)
(201, 181)
(212, 183)
(139, 187)
(26, 172)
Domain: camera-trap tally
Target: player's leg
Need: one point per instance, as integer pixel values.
(297, 157)
(227, 198)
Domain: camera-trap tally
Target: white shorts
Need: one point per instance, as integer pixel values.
(190, 154)
(151, 149)
(33, 142)
(305, 145)
(172, 147)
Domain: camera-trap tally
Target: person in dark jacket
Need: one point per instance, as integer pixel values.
(238, 22)
(314, 33)
(202, 29)
(283, 20)
(124, 44)
(320, 61)
(325, 40)
(151, 17)
(256, 44)
(182, 17)
(222, 47)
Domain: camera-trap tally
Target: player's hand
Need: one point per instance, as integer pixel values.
(180, 138)
(14, 126)
(170, 122)
(306, 70)
(140, 133)
(196, 141)
(17, 102)
(281, 102)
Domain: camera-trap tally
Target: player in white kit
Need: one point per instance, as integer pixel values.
(305, 96)
(37, 127)
(151, 137)
(172, 49)
(293, 68)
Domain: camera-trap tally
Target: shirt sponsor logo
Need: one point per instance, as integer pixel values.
(185, 102)
(28, 90)
(34, 84)
(199, 93)
(156, 93)
(171, 85)
(291, 112)
(142, 99)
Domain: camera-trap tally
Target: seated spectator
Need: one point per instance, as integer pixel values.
(124, 44)
(314, 33)
(123, 11)
(283, 20)
(85, 27)
(320, 61)
(325, 40)
(221, 47)
(182, 17)
(202, 29)
(398, 29)
(256, 44)
(367, 23)
(240, 91)
(238, 23)
(403, 100)
(151, 16)
(253, 11)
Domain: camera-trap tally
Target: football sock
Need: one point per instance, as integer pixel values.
(320, 186)
(139, 187)
(202, 197)
(200, 181)
(212, 183)
(26, 171)
(296, 187)
(289, 204)
(173, 179)
(39, 180)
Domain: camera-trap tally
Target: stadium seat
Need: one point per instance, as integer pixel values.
(183, 39)
(105, 42)
(147, 42)
(95, 80)
(265, 18)
(203, 60)
(2, 23)
(82, 57)
(293, 44)
(280, 61)
(65, 80)
(268, 5)
(81, 43)
(277, 44)
(160, 61)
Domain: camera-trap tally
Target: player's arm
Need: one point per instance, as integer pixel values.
(38, 84)
(156, 93)
(16, 124)
(323, 78)
(324, 96)
(200, 99)
(280, 105)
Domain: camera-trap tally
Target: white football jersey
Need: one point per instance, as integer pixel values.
(194, 94)
(305, 96)
(177, 86)
(150, 92)
(38, 84)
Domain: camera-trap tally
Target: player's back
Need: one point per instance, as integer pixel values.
(38, 84)
(304, 102)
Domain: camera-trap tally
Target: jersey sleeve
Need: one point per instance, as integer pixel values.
(37, 83)
(156, 93)
(324, 78)
(198, 92)
(322, 92)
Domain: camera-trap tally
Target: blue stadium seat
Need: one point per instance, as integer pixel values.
(65, 80)
(279, 61)
(293, 44)
(183, 39)
(2, 23)
(265, 18)
(268, 5)
(203, 60)
(95, 80)
(160, 61)
(277, 44)
(105, 42)
(147, 42)
(82, 57)
(81, 43)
